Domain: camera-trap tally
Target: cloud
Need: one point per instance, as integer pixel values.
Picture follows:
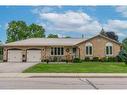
(46, 9)
(120, 34)
(71, 21)
(77, 22)
(122, 10)
(6, 26)
(61, 36)
(116, 26)
(39, 10)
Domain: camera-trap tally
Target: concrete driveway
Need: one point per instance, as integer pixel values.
(14, 67)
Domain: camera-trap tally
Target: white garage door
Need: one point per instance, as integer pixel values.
(14, 56)
(33, 55)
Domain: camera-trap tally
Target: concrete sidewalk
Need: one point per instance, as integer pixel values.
(63, 75)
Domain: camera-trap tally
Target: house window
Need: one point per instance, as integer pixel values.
(109, 49)
(62, 51)
(57, 51)
(89, 49)
(51, 51)
(74, 50)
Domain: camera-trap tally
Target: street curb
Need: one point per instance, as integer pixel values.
(78, 77)
(63, 75)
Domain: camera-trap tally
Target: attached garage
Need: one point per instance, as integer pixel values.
(33, 55)
(14, 55)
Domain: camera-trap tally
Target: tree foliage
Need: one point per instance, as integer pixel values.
(35, 31)
(123, 56)
(52, 36)
(19, 30)
(110, 34)
(16, 31)
(67, 37)
(124, 44)
(123, 53)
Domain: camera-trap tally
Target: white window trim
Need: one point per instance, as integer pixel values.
(108, 44)
(89, 44)
(56, 51)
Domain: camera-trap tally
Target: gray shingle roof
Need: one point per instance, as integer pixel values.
(46, 42)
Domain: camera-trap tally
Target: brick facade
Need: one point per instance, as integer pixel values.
(98, 43)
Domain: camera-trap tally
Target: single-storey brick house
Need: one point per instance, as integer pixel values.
(40, 49)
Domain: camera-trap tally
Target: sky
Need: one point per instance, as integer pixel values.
(68, 20)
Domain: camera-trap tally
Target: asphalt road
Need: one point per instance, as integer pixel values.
(63, 83)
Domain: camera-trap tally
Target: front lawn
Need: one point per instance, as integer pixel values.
(85, 67)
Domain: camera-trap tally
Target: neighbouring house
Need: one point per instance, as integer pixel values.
(58, 49)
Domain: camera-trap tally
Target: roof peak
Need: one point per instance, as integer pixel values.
(102, 30)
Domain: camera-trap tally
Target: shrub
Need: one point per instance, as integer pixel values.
(112, 59)
(55, 59)
(95, 59)
(109, 59)
(125, 62)
(77, 60)
(104, 59)
(1, 57)
(119, 59)
(63, 60)
(87, 59)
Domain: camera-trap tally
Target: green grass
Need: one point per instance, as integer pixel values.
(85, 67)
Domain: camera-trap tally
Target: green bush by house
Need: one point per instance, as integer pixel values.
(77, 60)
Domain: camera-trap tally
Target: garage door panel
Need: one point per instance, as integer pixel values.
(34, 55)
(14, 55)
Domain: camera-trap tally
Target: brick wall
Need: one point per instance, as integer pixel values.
(98, 47)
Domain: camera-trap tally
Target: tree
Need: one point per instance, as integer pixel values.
(110, 34)
(35, 31)
(124, 44)
(123, 53)
(67, 37)
(52, 36)
(123, 56)
(19, 30)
